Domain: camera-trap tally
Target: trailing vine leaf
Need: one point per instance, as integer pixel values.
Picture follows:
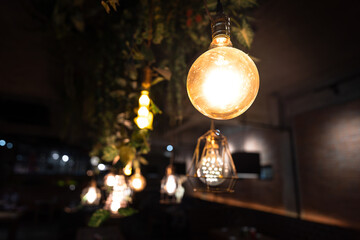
(255, 59)
(126, 212)
(113, 3)
(109, 153)
(139, 140)
(154, 109)
(165, 72)
(127, 153)
(106, 6)
(157, 80)
(143, 161)
(118, 93)
(244, 3)
(98, 217)
(244, 34)
(147, 53)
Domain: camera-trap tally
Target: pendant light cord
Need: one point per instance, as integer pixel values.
(207, 11)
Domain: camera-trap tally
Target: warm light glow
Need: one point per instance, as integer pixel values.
(128, 169)
(144, 99)
(220, 41)
(119, 196)
(144, 122)
(137, 182)
(143, 112)
(145, 117)
(211, 168)
(223, 82)
(110, 180)
(170, 185)
(91, 195)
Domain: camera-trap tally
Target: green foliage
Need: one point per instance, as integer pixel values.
(98, 217)
(140, 140)
(104, 56)
(126, 212)
(127, 153)
(110, 152)
(243, 34)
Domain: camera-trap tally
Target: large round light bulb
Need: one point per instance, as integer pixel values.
(223, 82)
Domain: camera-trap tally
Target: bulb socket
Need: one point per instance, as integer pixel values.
(220, 25)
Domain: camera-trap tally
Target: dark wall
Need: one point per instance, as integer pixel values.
(327, 149)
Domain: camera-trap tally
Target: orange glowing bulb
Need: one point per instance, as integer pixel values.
(223, 82)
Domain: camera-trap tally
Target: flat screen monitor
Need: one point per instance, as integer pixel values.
(247, 164)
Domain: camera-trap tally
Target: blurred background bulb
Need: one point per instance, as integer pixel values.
(128, 169)
(144, 99)
(137, 181)
(110, 180)
(91, 195)
(171, 185)
(119, 196)
(145, 117)
(223, 82)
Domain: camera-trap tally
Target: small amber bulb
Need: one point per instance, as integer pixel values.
(137, 181)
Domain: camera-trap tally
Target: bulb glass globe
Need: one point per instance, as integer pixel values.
(211, 167)
(91, 195)
(137, 182)
(143, 112)
(223, 82)
(110, 180)
(171, 185)
(128, 169)
(144, 99)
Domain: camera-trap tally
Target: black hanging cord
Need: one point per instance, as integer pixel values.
(219, 7)
(207, 11)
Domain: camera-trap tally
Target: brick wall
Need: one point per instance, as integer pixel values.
(328, 157)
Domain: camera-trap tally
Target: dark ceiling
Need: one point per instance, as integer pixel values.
(302, 46)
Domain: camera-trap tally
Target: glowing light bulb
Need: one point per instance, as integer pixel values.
(91, 195)
(137, 181)
(143, 111)
(144, 122)
(171, 185)
(144, 99)
(110, 180)
(223, 82)
(211, 168)
(128, 169)
(120, 195)
(145, 117)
